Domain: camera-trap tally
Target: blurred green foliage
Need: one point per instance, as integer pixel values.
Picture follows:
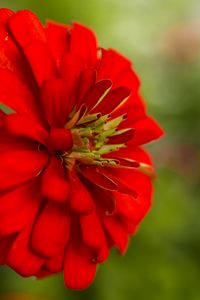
(163, 261)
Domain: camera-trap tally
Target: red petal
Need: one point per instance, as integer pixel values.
(16, 95)
(55, 264)
(146, 130)
(79, 268)
(51, 231)
(104, 199)
(18, 208)
(125, 205)
(56, 101)
(58, 39)
(92, 231)
(27, 28)
(18, 167)
(134, 107)
(133, 153)
(41, 61)
(138, 186)
(23, 126)
(43, 272)
(11, 57)
(21, 258)
(112, 100)
(116, 232)
(80, 199)
(30, 35)
(129, 225)
(2, 116)
(83, 42)
(9, 142)
(87, 80)
(5, 14)
(96, 92)
(5, 244)
(71, 68)
(103, 254)
(55, 185)
(92, 173)
(60, 139)
(117, 68)
(121, 138)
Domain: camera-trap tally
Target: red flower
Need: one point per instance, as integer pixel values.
(74, 180)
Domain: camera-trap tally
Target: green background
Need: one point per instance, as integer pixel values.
(163, 40)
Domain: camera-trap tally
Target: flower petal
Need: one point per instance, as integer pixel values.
(92, 232)
(51, 231)
(79, 265)
(146, 130)
(71, 68)
(87, 80)
(5, 14)
(116, 232)
(9, 142)
(55, 186)
(136, 185)
(96, 92)
(18, 167)
(80, 199)
(21, 258)
(103, 254)
(23, 126)
(116, 67)
(58, 39)
(92, 173)
(112, 100)
(16, 95)
(83, 42)
(131, 153)
(31, 36)
(5, 244)
(125, 205)
(55, 264)
(18, 207)
(56, 101)
(79, 268)
(130, 226)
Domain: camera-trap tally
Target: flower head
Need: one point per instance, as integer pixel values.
(74, 179)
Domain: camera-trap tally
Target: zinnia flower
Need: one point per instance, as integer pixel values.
(74, 179)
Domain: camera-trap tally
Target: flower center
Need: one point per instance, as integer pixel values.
(92, 140)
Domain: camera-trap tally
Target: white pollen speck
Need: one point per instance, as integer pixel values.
(6, 38)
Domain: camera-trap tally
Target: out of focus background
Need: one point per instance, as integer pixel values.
(163, 40)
